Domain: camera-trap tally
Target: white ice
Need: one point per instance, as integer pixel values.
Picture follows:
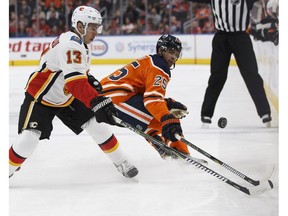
(68, 175)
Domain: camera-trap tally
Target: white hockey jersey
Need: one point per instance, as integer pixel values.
(62, 73)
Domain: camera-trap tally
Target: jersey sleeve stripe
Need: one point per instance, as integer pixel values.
(115, 90)
(117, 94)
(75, 76)
(121, 86)
(66, 76)
(148, 101)
(148, 94)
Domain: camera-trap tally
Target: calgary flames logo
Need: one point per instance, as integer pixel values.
(65, 90)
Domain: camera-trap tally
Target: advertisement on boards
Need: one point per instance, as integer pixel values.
(104, 49)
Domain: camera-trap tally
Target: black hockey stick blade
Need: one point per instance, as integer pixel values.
(253, 190)
(226, 166)
(261, 188)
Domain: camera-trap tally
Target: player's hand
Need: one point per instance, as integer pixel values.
(178, 109)
(94, 83)
(170, 127)
(104, 110)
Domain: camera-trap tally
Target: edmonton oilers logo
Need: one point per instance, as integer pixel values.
(235, 2)
(99, 47)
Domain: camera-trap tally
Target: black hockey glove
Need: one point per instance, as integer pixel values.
(104, 110)
(178, 109)
(170, 127)
(94, 83)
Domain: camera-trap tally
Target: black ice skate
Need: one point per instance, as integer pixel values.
(266, 119)
(206, 121)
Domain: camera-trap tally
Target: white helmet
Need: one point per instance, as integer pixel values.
(86, 15)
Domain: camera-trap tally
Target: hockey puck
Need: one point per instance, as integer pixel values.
(222, 122)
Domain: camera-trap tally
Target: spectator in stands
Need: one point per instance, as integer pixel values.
(38, 14)
(128, 27)
(180, 9)
(165, 29)
(22, 29)
(131, 13)
(63, 10)
(114, 28)
(33, 31)
(202, 15)
(139, 27)
(165, 20)
(154, 18)
(208, 26)
(53, 20)
(175, 26)
(43, 27)
(195, 29)
(25, 9)
(52, 13)
(12, 24)
(54, 31)
(54, 3)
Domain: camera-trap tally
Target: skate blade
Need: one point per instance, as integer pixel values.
(205, 125)
(268, 124)
(134, 179)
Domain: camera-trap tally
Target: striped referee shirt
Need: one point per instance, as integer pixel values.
(230, 15)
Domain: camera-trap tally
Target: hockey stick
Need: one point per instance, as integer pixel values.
(261, 188)
(226, 166)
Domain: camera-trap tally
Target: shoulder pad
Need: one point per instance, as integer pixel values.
(77, 39)
(159, 62)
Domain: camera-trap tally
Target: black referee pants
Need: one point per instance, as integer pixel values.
(240, 44)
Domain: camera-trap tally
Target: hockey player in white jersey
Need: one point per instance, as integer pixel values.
(60, 87)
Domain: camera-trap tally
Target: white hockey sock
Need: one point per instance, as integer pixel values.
(102, 135)
(22, 148)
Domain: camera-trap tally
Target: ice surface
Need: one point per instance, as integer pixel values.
(70, 176)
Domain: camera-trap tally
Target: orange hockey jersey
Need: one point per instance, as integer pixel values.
(148, 76)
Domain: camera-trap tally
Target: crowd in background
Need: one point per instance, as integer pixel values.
(30, 18)
(39, 18)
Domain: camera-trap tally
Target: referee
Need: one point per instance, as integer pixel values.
(231, 20)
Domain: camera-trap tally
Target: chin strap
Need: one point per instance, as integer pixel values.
(81, 35)
(171, 68)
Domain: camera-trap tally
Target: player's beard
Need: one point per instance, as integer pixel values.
(170, 62)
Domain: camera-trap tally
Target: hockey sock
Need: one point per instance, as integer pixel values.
(106, 140)
(22, 149)
(112, 149)
(15, 161)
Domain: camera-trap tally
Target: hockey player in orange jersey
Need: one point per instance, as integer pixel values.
(60, 88)
(138, 92)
